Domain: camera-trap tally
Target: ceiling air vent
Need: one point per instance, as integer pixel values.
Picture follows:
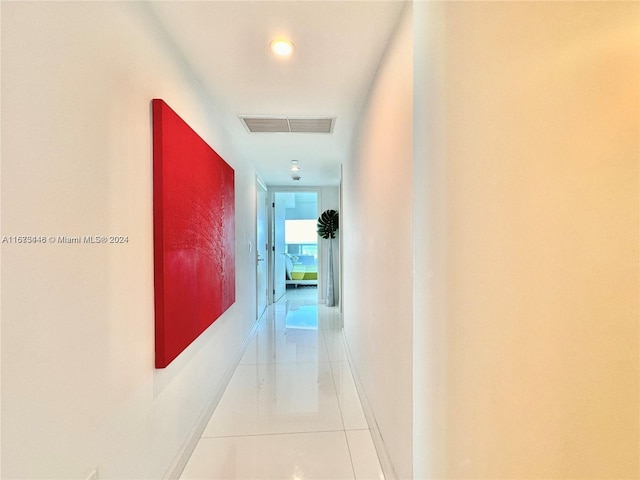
(288, 124)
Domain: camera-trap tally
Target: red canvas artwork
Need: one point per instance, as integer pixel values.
(194, 234)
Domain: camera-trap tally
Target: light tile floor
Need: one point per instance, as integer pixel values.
(291, 410)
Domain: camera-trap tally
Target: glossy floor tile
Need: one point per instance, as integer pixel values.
(363, 455)
(275, 341)
(291, 409)
(277, 398)
(322, 455)
(350, 406)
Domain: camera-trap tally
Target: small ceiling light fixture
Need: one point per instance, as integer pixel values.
(282, 47)
(294, 166)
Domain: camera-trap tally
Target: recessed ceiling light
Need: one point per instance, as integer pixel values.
(294, 166)
(282, 47)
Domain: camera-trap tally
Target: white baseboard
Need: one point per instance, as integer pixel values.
(383, 454)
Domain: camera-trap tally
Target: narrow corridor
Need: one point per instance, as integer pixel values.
(291, 410)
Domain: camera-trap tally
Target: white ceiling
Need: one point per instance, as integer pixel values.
(338, 47)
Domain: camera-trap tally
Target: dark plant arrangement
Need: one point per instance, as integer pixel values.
(328, 224)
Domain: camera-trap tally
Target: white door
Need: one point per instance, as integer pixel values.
(262, 285)
(279, 252)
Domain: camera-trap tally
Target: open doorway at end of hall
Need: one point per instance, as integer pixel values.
(294, 245)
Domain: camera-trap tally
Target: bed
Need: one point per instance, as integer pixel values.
(301, 270)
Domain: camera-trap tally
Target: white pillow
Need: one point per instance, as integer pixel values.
(288, 264)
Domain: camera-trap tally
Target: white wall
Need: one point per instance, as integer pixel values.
(304, 207)
(377, 242)
(526, 308)
(79, 387)
(517, 220)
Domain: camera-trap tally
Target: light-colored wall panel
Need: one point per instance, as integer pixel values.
(377, 242)
(528, 358)
(79, 387)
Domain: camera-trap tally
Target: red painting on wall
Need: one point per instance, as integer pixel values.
(194, 234)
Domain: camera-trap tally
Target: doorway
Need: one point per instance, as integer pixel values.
(295, 242)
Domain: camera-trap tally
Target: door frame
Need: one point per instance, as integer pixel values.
(260, 186)
(273, 249)
(271, 195)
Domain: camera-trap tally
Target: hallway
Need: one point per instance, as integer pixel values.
(291, 409)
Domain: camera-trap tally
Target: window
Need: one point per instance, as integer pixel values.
(301, 239)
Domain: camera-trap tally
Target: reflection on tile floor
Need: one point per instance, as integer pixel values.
(291, 410)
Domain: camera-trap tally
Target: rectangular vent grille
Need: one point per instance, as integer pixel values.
(288, 124)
